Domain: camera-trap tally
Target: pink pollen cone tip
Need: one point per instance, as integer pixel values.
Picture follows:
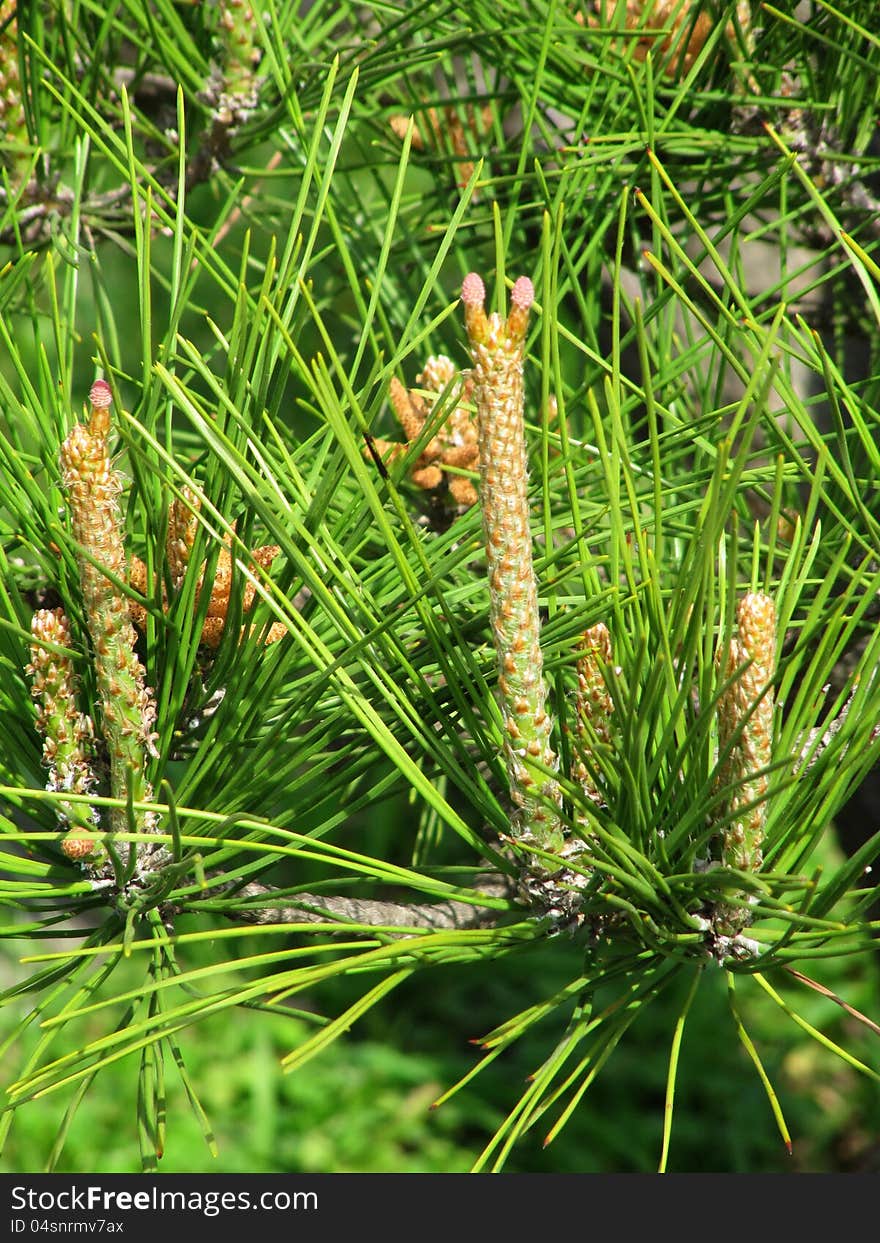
(473, 291)
(523, 293)
(101, 395)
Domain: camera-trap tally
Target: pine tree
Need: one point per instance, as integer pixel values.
(438, 533)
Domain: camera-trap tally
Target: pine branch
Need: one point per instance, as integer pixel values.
(320, 908)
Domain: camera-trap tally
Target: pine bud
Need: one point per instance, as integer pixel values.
(78, 846)
(497, 349)
(68, 733)
(128, 710)
(593, 707)
(455, 443)
(745, 727)
(16, 154)
(673, 29)
(234, 85)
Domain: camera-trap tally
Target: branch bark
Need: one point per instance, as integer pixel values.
(271, 907)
